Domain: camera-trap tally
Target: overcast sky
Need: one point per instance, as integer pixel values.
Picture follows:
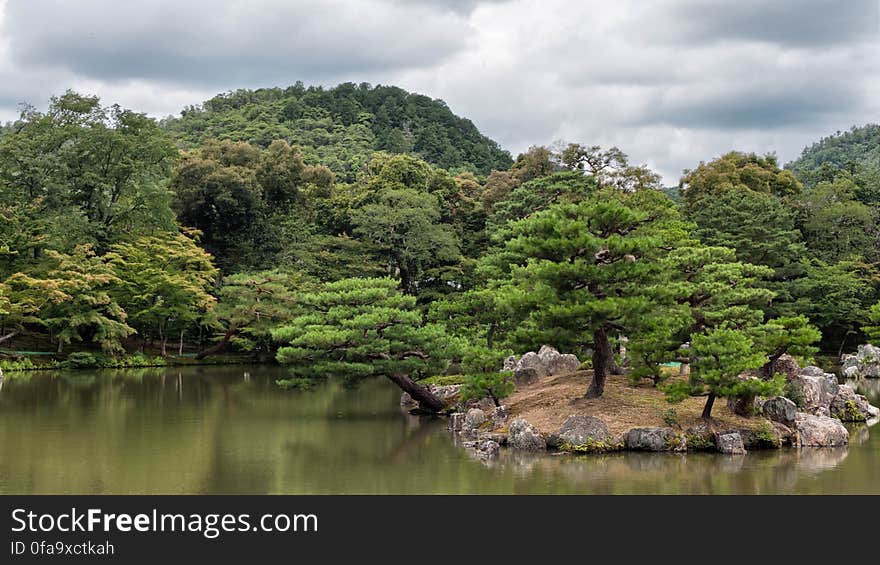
(671, 82)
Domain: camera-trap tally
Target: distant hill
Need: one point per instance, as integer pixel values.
(341, 126)
(857, 148)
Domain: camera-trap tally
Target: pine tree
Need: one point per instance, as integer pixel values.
(359, 328)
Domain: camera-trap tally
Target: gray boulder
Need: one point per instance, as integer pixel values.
(654, 439)
(509, 363)
(584, 430)
(700, 437)
(456, 421)
(448, 394)
(788, 366)
(499, 416)
(865, 363)
(730, 443)
(484, 449)
(532, 360)
(522, 436)
(780, 409)
(525, 376)
(819, 431)
(558, 363)
(848, 406)
(817, 388)
(474, 419)
(407, 400)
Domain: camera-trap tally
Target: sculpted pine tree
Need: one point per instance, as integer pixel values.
(720, 357)
(581, 270)
(359, 328)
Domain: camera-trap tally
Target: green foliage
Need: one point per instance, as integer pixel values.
(164, 282)
(843, 151)
(836, 226)
(794, 335)
(872, 329)
(340, 127)
(359, 328)
(760, 227)
(251, 305)
(80, 168)
(740, 172)
(444, 380)
(482, 365)
(670, 417)
(720, 356)
(81, 359)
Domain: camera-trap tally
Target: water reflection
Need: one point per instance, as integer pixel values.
(231, 430)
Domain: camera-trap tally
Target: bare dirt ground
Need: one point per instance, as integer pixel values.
(547, 403)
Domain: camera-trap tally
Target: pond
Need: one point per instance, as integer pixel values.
(230, 429)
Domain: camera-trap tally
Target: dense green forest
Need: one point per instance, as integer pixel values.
(341, 127)
(367, 231)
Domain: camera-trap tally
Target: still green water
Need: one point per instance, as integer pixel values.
(231, 430)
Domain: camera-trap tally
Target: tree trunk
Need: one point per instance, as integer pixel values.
(490, 336)
(180, 349)
(494, 398)
(426, 399)
(8, 336)
(164, 343)
(60, 346)
(602, 358)
(707, 409)
(769, 368)
(219, 346)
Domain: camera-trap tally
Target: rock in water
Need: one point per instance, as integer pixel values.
(730, 443)
(474, 419)
(523, 436)
(864, 363)
(653, 439)
(819, 431)
(817, 388)
(848, 406)
(584, 430)
(780, 409)
(456, 421)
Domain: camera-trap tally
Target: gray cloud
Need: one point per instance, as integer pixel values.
(671, 83)
(785, 22)
(216, 43)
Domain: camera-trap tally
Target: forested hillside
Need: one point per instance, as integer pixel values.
(856, 151)
(340, 127)
(361, 263)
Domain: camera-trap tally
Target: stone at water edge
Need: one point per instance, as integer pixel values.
(654, 439)
(700, 437)
(583, 430)
(485, 449)
(522, 436)
(474, 419)
(407, 400)
(819, 431)
(456, 421)
(499, 416)
(848, 406)
(864, 363)
(780, 409)
(817, 388)
(730, 443)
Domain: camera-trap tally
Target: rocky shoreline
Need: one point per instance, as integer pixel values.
(814, 417)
